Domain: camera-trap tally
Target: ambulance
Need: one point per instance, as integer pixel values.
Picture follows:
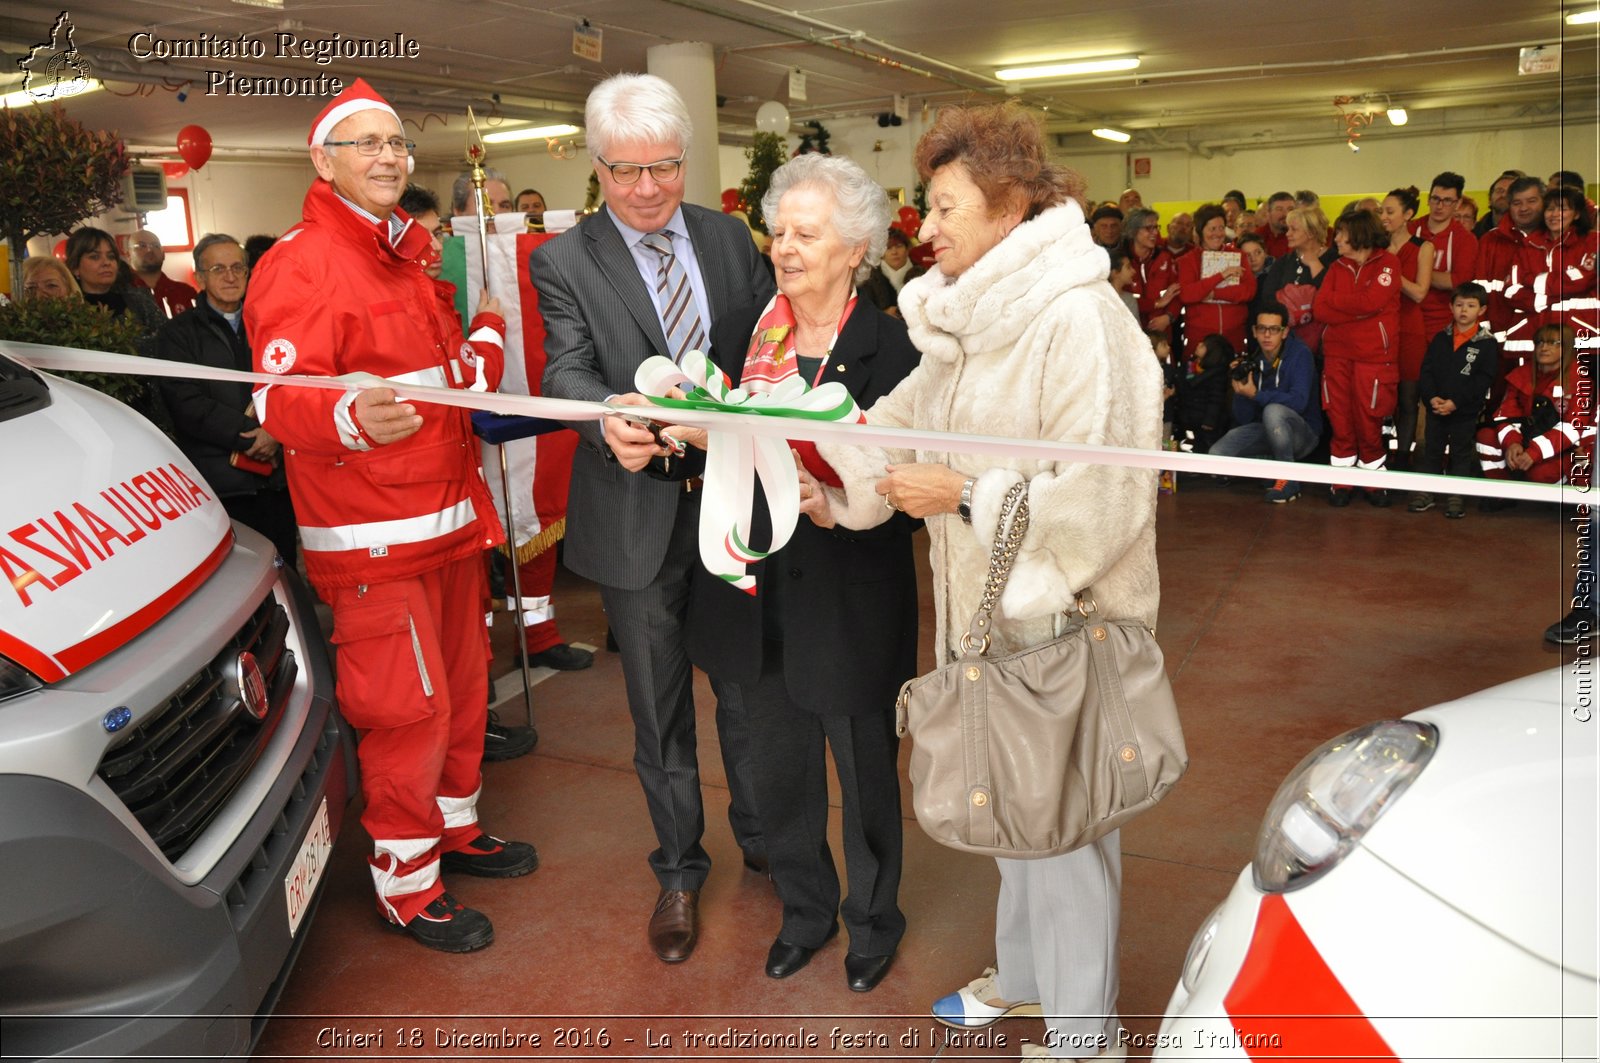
(173, 775)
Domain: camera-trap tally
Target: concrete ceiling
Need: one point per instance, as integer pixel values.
(1213, 73)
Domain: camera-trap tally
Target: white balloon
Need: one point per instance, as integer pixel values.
(772, 117)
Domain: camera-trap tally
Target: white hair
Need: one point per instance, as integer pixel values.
(861, 206)
(635, 107)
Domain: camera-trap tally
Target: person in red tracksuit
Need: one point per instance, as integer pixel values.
(1359, 302)
(1416, 280)
(1155, 275)
(1568, 292)
(392, 509)
(1546, 421)
(1511, 256)
(1455, 250)
(1218, 302)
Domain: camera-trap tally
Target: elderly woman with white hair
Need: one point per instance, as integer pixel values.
(816, 657)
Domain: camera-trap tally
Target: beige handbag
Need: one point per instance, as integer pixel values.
(1044, 750)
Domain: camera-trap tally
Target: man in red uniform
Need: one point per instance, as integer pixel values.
(392, 509)
(1274, 234)
(1511, 257)
(147, 256)
(1455, 250)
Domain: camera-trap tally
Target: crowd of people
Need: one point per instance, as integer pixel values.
(1275, 333)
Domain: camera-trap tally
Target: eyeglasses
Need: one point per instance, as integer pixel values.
(1547, 343)
(627, 173)
(1269, 330)
(237, 270)
(375, 145)
(1442, 200)
(145, 246)
(1153, 228)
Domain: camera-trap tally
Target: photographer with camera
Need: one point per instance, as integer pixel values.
(1275, 407)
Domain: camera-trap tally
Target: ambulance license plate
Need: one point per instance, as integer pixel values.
(300, 884)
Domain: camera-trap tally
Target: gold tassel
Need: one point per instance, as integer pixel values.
(545, 540)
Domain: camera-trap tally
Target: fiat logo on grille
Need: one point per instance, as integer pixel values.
(252, 685)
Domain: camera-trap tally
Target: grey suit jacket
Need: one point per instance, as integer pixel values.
(600, 323)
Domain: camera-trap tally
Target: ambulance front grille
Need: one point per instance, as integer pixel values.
(180, 766)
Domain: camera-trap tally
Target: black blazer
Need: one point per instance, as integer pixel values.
(843, 602)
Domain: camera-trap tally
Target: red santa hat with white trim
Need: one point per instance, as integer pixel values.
(358, 97)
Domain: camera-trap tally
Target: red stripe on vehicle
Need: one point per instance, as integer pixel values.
(1286, 1003)
(96, 646)
(32, 658)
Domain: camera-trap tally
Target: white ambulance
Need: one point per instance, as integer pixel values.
(173, 774)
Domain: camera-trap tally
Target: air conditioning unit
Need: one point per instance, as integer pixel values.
(144, 189)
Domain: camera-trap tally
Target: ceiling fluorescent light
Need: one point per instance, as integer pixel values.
(1398, 116)
(1113, 134)
(1584, 18)
(23, 96)
(542, 132)
(1104, 65)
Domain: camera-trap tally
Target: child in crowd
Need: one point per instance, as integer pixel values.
(1203, 394)
(1161, 343)
(1457, 370)
(1122, 276)
(1546, 421)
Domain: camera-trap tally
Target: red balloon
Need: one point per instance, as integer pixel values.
(910, 214)
(175, 170)
(730, 200)
(60, 250)
(194, 144)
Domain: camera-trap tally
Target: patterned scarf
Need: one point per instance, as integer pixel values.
(771, 358)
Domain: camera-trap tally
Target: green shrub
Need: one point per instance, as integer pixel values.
(67, 323)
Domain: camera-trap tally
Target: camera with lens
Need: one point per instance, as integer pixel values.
(1242, 369)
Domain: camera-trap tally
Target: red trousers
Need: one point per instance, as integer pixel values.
(538, 575)
(1544, 471)
(411, 680)
(1357, 396)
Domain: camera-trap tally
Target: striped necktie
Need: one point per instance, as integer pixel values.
(675, 298)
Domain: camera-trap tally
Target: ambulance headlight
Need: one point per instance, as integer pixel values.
(15, 680)
(1333, 797)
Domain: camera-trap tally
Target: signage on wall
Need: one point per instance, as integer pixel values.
(797, 84)
(586, 41)
(1141, 166)
(1539, 59)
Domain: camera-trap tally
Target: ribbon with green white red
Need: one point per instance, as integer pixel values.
(736, 459)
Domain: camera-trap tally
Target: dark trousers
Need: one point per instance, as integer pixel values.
(649, 628)
(269, 512)
(1455, 432)
(788, 764)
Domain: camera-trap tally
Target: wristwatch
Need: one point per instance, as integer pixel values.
(964, 507)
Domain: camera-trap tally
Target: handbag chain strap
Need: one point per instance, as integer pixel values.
(1007, 542)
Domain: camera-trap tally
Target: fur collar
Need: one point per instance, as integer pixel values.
(990, 305)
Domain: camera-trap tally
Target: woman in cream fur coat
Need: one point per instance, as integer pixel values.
(1022, 336)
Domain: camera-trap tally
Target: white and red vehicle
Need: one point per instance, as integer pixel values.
(1423, 889)
(173, 774)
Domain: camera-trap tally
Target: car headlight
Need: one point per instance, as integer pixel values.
(1334, 796)
(15, 679)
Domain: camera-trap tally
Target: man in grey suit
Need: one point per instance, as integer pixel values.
(647, 275)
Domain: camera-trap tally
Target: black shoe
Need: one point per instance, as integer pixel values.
(1378, 497)
(562, 657)
(1578, 626)
(863, 973)
(448, 926)
(611, 642)
(490, 857)
(501, 742)
(1339, 497)
(784, 959)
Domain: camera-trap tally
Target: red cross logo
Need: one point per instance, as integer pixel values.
(278, 356)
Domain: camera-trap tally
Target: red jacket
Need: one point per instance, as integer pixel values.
(1568, 292)
(1509, 261)
(1455, 252)
(1360, 304)
(333, 297)
(1211, 306)
(1574, 404)
(1150, 278)
(1276, 244)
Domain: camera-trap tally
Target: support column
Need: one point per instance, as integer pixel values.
(689, 67)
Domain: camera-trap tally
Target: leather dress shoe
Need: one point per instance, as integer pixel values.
(863, 973)
(673, 925)
(563, 657)
(784, 959)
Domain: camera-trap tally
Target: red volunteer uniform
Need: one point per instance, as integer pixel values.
(1509, 261)
(1152, 277)
(1360, 304)
(1554, 449)
(1568, 292)
(1455, 252)
(1212, 306)
(392, 535)
(173, 297)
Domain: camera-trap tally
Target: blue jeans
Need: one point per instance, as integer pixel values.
(1281, 433)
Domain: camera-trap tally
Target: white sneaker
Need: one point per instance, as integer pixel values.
(1117, 1050)
(978, 1004)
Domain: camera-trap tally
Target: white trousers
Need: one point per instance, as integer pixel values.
(1056, 942)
